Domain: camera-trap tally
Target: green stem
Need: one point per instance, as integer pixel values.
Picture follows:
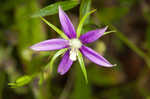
(132, 46)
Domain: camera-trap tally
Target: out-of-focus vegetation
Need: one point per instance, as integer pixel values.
(128, 47)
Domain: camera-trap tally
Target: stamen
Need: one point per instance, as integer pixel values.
(75, 44)
(73, 54)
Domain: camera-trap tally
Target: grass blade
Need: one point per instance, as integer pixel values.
(82, 22)
(81, 62)
(53, 8)
(61, 33)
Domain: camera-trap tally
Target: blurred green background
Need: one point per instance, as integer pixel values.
(128, 47)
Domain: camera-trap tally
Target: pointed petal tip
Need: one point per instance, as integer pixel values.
(33, 48)
(92, 35)
(59, 7)
(114, 65)
(110, 65)
(66, 24)
(61, 11)
(61, 73)
(30, 47)
(95, 57)
(104, 29)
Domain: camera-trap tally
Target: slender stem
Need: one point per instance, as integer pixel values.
(66, 91)
(132, 46)
(125, 40)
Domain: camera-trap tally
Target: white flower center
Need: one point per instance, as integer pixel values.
(75, 44)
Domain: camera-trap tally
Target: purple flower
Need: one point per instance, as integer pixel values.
(73, 44)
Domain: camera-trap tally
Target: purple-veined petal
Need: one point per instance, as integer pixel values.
(66, 24)
(65, 64)
(52, 44)
(94, 56)
(92, 36)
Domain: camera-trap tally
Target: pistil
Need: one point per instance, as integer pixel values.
(75, 44)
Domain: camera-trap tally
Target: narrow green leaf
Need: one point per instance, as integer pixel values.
(21, 81)
(53, 8)
(105, 33)
(60, 52)
(61, 33)
(41, 79)
(24, 79)
(82, 22)
(81, 62)
(85, 8)
(79, 85)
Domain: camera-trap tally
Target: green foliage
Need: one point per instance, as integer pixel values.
(28, 28)
(84, 9)
(22, 81)
(148, 38)
(60, 52)
(132, 46)
(2, 82)
(147, 17)
(53, 8)
(103, 77)
(48, 69)
(55, 28)
(105, 33)
(127, 3)
(41, 78)
(18, 31)
(115, 13)
(82, 22)
(81, 90)
(81, 62)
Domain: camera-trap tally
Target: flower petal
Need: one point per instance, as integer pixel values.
(65, 64)
(94, 56)
(66, 24)
(52, 44)
(92, 36)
